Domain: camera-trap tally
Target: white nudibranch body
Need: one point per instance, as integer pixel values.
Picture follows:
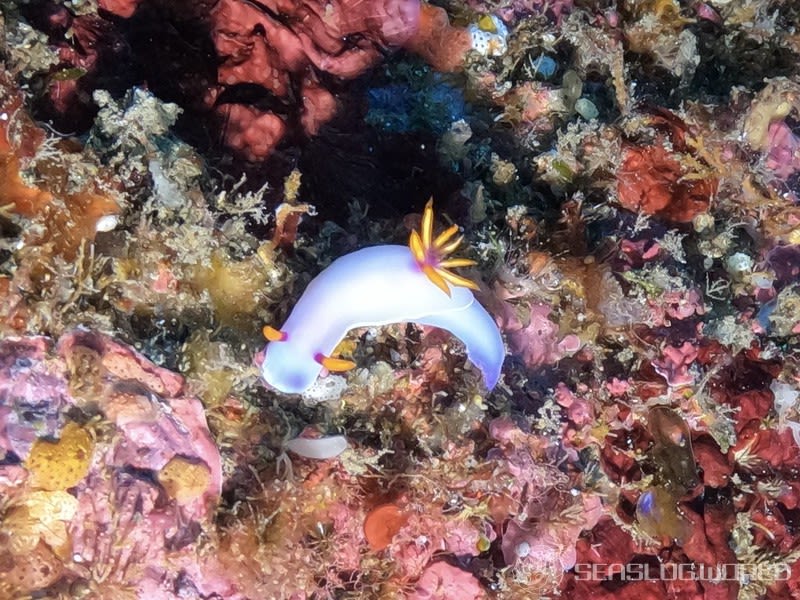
(378, 286)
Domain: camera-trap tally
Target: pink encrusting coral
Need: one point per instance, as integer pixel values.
(441, 581)
(144, 483)
(539, 342)
(783, 154)
(675, 363)
(29, 383)
(542, 529)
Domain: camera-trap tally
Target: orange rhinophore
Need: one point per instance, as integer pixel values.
(272, 334)
(333, 364)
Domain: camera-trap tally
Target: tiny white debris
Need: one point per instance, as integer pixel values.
(164, 189)
(786, 400)
(739, 264)
(762, 279)
(586, 108)
(106, 223)
(523, 549)
(786, 396)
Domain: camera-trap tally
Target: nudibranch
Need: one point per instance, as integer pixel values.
(377, 286)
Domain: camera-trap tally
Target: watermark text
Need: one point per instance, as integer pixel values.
(741, 572)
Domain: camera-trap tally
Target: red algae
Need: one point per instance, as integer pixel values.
(649, 181)
(69, 218)
(382, 524)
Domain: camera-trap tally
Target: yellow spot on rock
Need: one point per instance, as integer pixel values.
(185, 480)
(62, 464)
(233, 286)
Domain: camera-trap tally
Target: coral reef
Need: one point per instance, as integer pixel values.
(138, 476)
(625, 180)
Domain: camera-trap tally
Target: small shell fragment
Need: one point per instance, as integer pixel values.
(106, 223)
(319, 448)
